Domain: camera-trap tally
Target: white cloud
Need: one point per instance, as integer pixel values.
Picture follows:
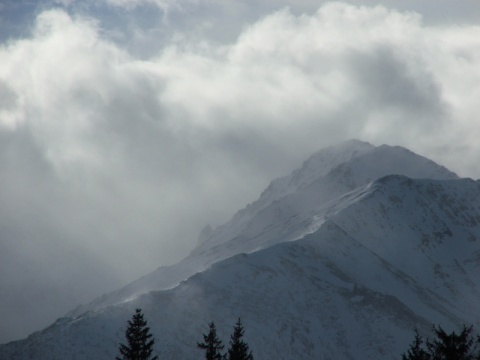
(64, 2)
(165, 5)
(124, 159)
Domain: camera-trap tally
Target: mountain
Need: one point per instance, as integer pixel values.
(341, 259)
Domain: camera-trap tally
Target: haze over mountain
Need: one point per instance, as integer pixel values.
(121, 119)
(341, 259)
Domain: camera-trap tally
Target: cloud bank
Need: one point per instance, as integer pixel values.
(116, 148)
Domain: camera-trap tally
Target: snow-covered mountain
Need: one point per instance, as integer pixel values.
(342, 259)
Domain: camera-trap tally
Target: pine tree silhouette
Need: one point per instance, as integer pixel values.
(140, 341)
(238, 348)
(453, 346)
(416, 351)
(212, 344)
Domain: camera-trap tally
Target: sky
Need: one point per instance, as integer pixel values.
(126, 126)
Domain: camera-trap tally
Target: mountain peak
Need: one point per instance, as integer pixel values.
(316, 166)
(359, 236)
(387, 160)
(325, 175)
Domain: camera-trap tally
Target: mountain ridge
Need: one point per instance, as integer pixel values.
(333, 179)
(330, 271)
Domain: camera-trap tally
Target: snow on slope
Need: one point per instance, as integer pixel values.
(439, 245)
(331, 181)
(285, 210)
(206, 253)
(317, 166)
(353, 288)
(371, 261)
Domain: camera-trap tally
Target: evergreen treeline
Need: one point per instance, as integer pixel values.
(444, 346)
(213, 347)
(140, 342)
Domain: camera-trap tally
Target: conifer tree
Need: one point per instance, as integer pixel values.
(453, 346)
(212, 344)
(139, 339)
(416, 351)
(445, 346)
(238, 348)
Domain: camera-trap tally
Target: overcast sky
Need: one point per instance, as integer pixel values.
(126, 126)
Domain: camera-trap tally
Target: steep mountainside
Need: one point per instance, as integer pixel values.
(284, 210)
(342, 262)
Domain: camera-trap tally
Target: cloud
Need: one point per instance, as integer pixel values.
(113, 159)
(134, 3)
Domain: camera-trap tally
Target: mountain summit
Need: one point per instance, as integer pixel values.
(341, 259)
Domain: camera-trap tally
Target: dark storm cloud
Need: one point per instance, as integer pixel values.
(391, 84)
(397, 91)
(120, 140)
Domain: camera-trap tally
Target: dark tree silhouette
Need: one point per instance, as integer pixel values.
(139, 340)
(453, 346)
(238, 348)
(416, 351)
(212, 345)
